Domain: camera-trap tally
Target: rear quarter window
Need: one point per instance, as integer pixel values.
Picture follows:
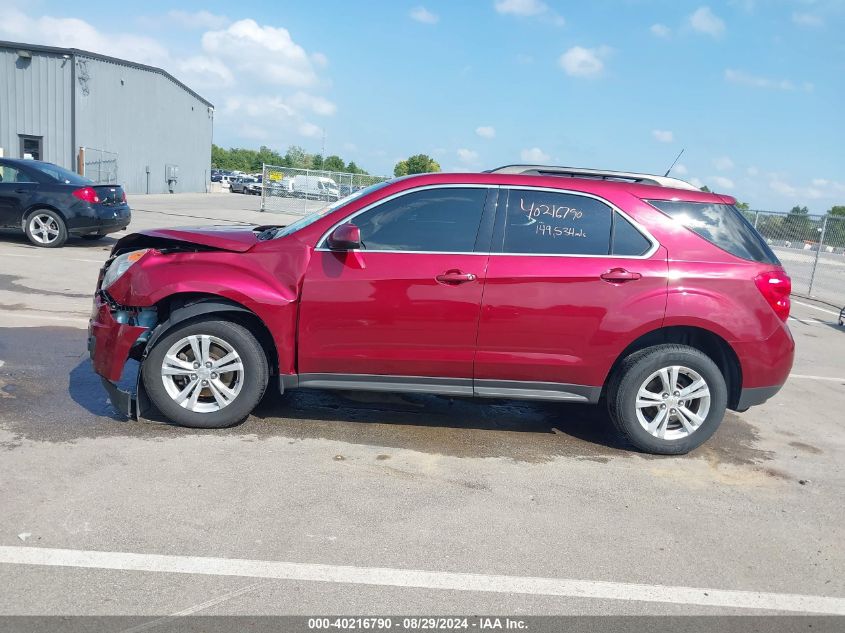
(721, 225)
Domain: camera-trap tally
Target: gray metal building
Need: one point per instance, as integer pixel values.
(116, 120)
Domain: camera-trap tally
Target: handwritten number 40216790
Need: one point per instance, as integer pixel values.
(560, 212)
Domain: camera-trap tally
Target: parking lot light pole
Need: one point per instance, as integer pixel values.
(818, 254)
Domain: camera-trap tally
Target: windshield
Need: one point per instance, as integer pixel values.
(60, 174)
(313, 217)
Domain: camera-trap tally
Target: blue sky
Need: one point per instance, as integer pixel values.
(754, 90)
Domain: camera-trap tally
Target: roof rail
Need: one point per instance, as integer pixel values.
(599, 174)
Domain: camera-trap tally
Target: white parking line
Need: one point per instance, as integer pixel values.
(809, 305)
(451, 581)
(817, 377)
(23, 315)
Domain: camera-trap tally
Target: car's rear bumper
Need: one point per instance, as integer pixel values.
(752, 396)
(109, 219)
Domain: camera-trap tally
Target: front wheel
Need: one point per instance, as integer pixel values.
(667, 399)
(206, 374)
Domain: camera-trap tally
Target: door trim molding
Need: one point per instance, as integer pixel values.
(516, 389)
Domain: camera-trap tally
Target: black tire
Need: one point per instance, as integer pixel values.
(92, 237)
(55, 219)
(255, 374)
(629, 377)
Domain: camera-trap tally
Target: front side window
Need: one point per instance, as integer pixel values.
(549, 223)
(722, 225)
(441, 220)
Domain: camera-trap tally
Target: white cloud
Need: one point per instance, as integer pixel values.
(75, 33)
(663, 136)
(316, 104)
(583, 62)
(723, 183)
(680, 169)
(201, 72)
(807, 19)
(198, 19)
(723, 163)
(743, 78)
(752, 171)
(310, 130)
(783, 188)
(245, 68)
(534, 155)
(705, 21)
(660, 30)
(696, 182)
(265, 52)
(818, 188)
(528, 8)
(421, 14)
(486, 131)
(467, 155)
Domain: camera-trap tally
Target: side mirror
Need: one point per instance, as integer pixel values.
(346, 237)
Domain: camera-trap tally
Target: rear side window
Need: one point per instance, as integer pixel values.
(627, 240)
(722, 225)
(441, 220)
(549, 223)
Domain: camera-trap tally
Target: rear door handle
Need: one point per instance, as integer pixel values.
(455, 277)
(620, 275)
(21, 190)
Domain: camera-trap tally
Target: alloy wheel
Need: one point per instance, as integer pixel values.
(202, 373)
(673, 402)
(44, 228)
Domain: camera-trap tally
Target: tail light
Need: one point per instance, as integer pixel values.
(87, 194)
(123, 197)
(776, 286)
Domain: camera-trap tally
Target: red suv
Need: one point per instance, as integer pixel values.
(525, 282)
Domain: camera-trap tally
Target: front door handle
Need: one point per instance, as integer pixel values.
(620, 275)
(455, 277)
(21, 190)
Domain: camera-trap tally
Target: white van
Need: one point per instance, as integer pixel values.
(318, 187)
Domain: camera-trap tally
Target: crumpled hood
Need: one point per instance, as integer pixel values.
(237, 238)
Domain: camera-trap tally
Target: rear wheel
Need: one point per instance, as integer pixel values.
(667, 399)
(45, 228)
(206, 374)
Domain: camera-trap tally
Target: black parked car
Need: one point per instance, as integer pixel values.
(49, 203)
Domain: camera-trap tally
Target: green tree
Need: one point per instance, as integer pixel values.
(706, 189)
(296, 157)
(743, 206)
(798, 225)
(416, 164)
(334, 163)
(838, 209)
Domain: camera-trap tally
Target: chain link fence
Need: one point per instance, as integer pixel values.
(100, 166)
(303, 191)
(811, 248)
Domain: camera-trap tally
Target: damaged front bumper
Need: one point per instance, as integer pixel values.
(112, 335)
